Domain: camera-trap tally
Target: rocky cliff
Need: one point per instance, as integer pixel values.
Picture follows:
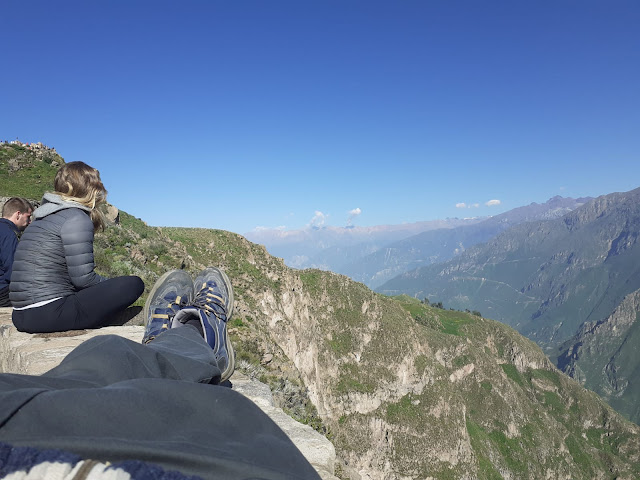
(603, 357)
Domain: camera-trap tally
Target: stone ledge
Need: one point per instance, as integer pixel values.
(34, 354)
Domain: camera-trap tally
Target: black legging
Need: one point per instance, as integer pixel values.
(92, 307)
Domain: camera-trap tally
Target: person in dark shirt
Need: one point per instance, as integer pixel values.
(16, 215)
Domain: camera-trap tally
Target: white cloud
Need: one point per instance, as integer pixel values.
(318, 219)
(475, 205)
(353, 214)
(492, 203)
(260, 228)
(461, 205)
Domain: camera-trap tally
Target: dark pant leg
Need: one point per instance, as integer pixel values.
(92, 307)
(179, 354)
(112, 400)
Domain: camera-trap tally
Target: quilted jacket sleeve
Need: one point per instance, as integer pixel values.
(77, 241)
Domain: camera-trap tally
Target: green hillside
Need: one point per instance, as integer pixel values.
(22, 174)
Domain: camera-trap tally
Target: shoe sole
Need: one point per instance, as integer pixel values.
(154, 290)
(231, 354)
(230, 351)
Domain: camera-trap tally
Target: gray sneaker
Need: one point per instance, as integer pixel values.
(214, 298)
(169, 294)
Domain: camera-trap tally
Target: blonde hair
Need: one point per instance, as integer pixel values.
(80, 183)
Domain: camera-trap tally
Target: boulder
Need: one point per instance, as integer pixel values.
(112, 214)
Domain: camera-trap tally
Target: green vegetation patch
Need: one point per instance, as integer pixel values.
(136, 225)
(32, 180)
(461, 360)
(511, 451)
(606, 440)
(348, 384)
(452, 321)
(435, 316)
(580, 458)
(486, 385)
(247, 349)
(421, 362)
(342, 343)
(312, 280)
(351, 380)
(548, 375)
(479, 441)
(554, 401)
(512, 373)
(403, 412)
(237, 322)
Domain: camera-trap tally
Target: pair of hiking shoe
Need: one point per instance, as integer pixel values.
(206, 303)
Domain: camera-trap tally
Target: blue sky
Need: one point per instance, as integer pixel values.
(236, 115)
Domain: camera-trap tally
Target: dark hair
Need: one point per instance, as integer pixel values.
(80, 183)
(16, 204)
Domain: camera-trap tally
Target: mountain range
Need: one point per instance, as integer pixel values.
(545, 278)
(439, 245)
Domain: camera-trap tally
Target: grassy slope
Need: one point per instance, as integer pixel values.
(29, 182)
(517, 419)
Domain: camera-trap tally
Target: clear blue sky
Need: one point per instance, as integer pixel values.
(235, 115)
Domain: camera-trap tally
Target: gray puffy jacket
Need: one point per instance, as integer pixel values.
(55, 255)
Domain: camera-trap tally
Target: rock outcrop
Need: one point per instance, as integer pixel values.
(603, 357)
(34, 354)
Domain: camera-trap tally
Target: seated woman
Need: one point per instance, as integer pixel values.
(54, 286)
